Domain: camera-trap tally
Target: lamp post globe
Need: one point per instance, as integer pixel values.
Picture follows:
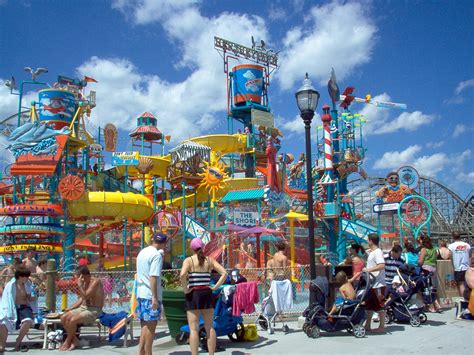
(307, 99)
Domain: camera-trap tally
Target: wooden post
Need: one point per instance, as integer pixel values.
(51, 285)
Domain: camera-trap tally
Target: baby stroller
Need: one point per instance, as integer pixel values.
(351, 315)
(224, 322)
(279, 299)
(398, 307)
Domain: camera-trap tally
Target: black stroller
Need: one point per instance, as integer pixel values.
(398, 307)
(350, 317)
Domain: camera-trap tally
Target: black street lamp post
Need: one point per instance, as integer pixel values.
(307, 99)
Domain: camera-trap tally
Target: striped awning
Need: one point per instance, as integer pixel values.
(243, 195)
(189, 149)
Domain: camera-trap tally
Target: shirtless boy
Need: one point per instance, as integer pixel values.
(87, 308)
(30, 262)
(21, 316)
(278, 264)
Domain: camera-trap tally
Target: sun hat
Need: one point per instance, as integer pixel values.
(196, 244)
(160, 237)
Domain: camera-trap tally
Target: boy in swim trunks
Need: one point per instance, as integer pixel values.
(15, 309)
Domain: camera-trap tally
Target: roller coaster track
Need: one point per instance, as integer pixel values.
(8, 124)
(450, 211)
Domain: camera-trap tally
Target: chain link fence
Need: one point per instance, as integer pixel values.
(118, 286)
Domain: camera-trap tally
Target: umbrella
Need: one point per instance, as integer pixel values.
(258, 231)
(228, 228)
(291, 216)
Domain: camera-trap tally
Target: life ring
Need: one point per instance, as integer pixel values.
(52, 210)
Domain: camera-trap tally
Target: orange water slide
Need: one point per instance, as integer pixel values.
(292, 192)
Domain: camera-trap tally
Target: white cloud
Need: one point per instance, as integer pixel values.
(276, 13)
(336, 35)
(435, 144)
(463, 85)
(146, 11)
(395, 159)
(457, 98)
(460, 129)
(184, 108)
(382, 120)
(428, 165)
(468, 178)
(8, 102)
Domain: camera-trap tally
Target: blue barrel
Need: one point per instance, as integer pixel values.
(56, 107)
(247, 84)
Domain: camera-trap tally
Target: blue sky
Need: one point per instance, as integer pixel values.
(158, 56)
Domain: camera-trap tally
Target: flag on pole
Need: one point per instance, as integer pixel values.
(89, 79)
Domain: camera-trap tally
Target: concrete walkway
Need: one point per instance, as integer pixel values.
(442, 334)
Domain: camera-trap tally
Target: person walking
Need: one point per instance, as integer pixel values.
(427, 261)
(149, 291)
(443, 252)
(195, 277)
(376, 300)
(460, 254)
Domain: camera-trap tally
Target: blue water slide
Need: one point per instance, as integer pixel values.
(356, 230)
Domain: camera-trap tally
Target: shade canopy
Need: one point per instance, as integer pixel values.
(259, 230)
(292, 215)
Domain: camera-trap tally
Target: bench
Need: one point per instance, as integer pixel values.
(52, 324)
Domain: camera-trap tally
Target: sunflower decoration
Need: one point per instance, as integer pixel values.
(213, 178)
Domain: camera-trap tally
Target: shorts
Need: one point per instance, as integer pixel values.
(145, 311)
(88, 313)
(9, 324)
(199, 298)
(460, 276)
(376, 300)
(23, 313)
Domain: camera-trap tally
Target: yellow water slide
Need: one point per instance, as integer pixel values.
(112, 204)
(139, 207)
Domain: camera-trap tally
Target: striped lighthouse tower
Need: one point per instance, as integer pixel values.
(328, 166)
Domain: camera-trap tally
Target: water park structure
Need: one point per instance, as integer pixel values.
(239, 191)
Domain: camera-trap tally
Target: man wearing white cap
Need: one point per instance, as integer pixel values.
(149, 292)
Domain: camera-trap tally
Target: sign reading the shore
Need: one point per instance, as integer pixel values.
(16, 248)
(386, 207)
(262, 118)
(124, 158)
(247, 219)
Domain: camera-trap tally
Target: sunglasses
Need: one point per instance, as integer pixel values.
(393, 178)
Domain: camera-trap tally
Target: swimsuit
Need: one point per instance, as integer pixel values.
(200, 296)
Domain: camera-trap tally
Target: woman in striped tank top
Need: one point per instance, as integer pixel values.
(195, 278)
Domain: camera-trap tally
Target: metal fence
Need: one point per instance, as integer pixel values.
(118, 287)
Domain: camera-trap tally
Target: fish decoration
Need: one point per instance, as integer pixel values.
(35, 138)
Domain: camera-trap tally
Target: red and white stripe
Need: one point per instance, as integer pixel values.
(327, 147)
